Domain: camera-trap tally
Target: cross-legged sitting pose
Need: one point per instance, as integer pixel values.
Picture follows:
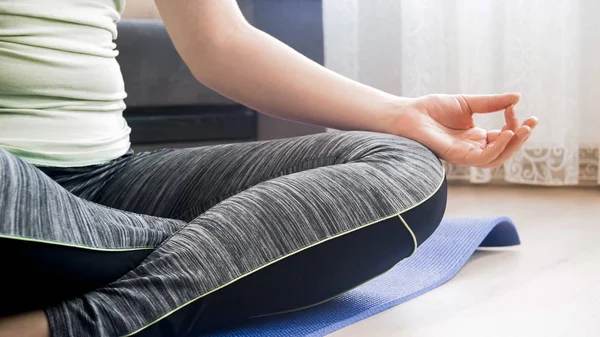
(98, 240)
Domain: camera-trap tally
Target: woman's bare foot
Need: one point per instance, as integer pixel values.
(31, 324)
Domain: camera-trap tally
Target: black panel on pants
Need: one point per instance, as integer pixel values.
(36, 275)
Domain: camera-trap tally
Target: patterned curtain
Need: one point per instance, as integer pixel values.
(548, 50)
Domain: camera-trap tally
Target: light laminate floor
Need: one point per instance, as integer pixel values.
(549, 286)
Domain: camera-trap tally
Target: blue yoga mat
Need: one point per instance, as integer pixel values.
(434, 263)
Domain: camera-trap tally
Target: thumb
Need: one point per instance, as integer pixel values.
(490, 103)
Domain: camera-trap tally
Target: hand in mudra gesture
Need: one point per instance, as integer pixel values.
(444, 123)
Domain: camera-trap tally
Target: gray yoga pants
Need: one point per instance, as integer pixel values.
(179, 242)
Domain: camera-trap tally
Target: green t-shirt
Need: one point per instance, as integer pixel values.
(61, 88)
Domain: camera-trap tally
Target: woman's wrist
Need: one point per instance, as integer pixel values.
(403, 117)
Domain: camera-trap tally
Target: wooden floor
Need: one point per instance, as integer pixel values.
(549, 286)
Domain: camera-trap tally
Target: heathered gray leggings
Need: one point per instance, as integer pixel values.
(177, 242)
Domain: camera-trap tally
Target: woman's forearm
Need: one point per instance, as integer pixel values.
(228, 55)
(261, 72)
(255, 69)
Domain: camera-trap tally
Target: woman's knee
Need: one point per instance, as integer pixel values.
(380, 146)
(417, 169)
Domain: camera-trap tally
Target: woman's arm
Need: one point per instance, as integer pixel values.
(230, 56)
(227, 54)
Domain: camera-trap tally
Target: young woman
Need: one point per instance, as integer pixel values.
(177, 242)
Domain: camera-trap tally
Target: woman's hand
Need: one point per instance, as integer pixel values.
(444, 123)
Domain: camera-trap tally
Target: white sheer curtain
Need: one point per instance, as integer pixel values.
(549, 50)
